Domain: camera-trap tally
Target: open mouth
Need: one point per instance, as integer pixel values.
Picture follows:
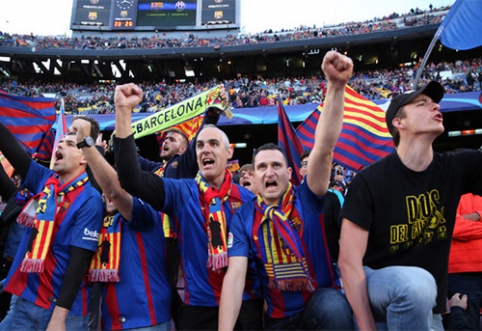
(207, 162)
(246, 183)
(58, 156)
(271, 184)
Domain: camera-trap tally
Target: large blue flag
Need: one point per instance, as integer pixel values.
(29, 119)
(288, 140)
(462, 27)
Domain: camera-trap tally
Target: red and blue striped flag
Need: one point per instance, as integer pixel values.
(289, 142)
(364, 137)
(29, 119)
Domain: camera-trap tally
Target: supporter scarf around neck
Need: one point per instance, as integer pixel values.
(281, 247)
(41, 214)
(216, 227)
(160, 172)
(104, 266)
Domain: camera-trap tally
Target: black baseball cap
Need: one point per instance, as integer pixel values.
(433, 90)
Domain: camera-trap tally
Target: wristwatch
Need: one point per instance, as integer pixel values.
(87, 142)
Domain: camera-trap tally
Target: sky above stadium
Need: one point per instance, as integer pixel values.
(52, 17)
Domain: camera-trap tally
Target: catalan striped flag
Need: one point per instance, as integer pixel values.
(44, 152)
(364, 137)
(289, 142)
(29, 119)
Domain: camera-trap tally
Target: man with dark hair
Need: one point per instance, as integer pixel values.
(281, 236)
(63, 222)
(398, 219)
(130, 260)
(203, 209)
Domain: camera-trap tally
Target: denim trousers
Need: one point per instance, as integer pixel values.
(469, 283)
(166, 326)
(402, 298)
(28, 316)
(327, 309)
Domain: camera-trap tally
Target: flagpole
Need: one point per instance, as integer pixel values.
(436, 37)
(426, 56)
(59, 132)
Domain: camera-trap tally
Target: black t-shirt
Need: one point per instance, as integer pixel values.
(410, 215)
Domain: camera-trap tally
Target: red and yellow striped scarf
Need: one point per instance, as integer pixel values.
(280, 245)
(160, 172)
(104, 266)
(167, 223)
(42, 215)
(214, 214)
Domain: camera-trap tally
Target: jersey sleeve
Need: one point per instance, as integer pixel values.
(89, 217)
(311, 203)
(238, 238)
(144, 216)
(36, 177)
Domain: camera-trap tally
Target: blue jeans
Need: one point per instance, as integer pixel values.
(401, 297)
(469, 283)
(28, 316)
(327, 309)
(166, 326)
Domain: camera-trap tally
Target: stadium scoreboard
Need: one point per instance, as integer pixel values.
(148, 15)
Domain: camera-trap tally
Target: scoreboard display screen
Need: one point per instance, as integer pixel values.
(166, 13)
(92, 13)
(218, 12)
(124, 13)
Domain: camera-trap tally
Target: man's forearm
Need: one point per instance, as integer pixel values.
(76, 269)
(57, 320)
(123, 123)
(230, 304)
(141, 184)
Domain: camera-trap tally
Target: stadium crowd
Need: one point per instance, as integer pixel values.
(393, 21)
(142, 198)
(465, 75)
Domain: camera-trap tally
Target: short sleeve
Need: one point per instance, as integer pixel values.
(238, 238)
(89, 217)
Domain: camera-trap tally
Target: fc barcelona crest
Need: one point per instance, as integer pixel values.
(218, 14)
(92, 15)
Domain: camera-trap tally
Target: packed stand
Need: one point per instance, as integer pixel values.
(394, 21)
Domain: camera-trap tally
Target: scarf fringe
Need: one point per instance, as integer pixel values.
(26, 219)
(27, 215)
(218, 261)
(32, 265)
(104, 275)
(293, 285)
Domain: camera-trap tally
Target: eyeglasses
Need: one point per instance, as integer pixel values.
(304, 164)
